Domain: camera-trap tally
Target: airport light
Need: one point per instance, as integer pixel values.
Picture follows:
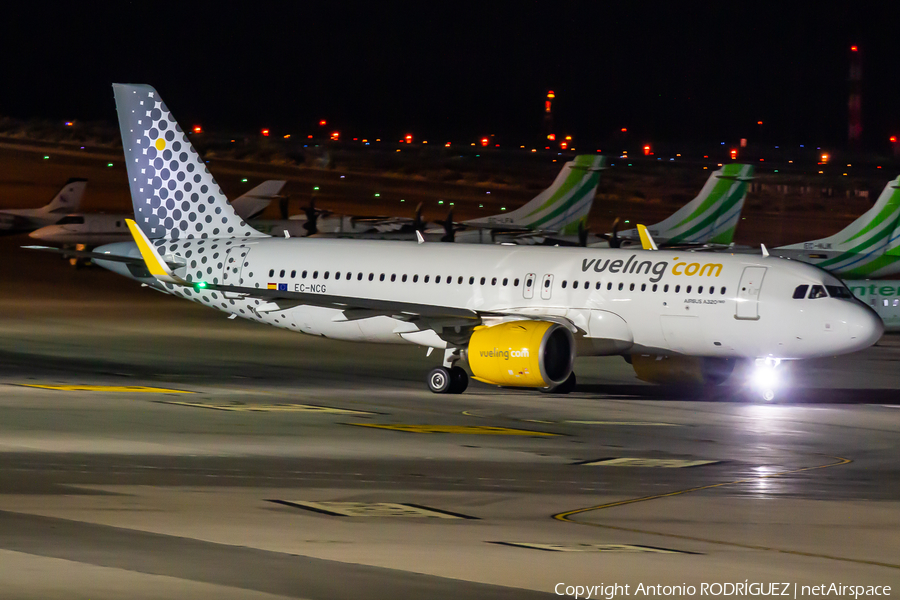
(647, 150)
(244, 180)
(624, 130)
(759, 122)
(854, 48)
(198, 129)
(551, 137)
(825, 157)
(551, 95)
(408, 138)
(109, 164)
(562, 145)
(322, 123)
(893, 139)
(69, 123)
(265, 132)
(46, 157)
(335, 135)
(485, 141)
(447, 145)
(287, 137)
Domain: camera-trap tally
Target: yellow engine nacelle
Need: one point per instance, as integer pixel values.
(681, 370)
(522, 353)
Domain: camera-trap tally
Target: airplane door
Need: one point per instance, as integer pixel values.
(546, 287)
(235, 259)
(528, 290)
(747, 306)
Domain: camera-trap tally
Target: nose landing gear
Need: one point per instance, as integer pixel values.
(764, 378)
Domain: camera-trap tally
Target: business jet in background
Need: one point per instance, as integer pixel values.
(82, 231)
(517, 315)
(21, 220)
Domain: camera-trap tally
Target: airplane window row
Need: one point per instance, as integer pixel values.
(631, 287)
(586, 285)
(886, 302)
(819, 291)
(393, 277)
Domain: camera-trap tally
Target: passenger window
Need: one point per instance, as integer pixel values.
(700, 290)
(315, 274)
(527, 282)
(403, 279)
(358, 277)
(459, 280)
(493, 281)
(687, 290)
(337, 275)
(381, 277)
(326, 275)
(643, 287)
(574, 285)
(723, 290)
(393, 277)
(437, 279)
(271, 272)
(654, 287)
(800, 292)
(516, 282)
(371, 276)
(896, 302)
(712, 290)
(547, 283)
(666, 288)
(608, 285)
(564, 284)
(449, 279)
(677, 288)
(293, 274)
(281, 273)
(885, 301)
(817, 291)
(425, 279)
(349, 276)
(631, 288)
(621, 286)
(482, 281)
(415, 279)
(505, 281)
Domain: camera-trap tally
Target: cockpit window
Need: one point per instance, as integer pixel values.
(71, 220)
(839, 291)
(800, 292)
(818, 291)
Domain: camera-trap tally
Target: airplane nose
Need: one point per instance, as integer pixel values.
(865, 327)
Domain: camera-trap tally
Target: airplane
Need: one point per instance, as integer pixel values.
(884, 298)
(518, 315)
(867, 248)
(21, 220)
(710, 218)
(88, 230)
(559, 210)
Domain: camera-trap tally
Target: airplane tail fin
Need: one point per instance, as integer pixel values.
(253, 203)
(67, 199)
(712, 216)
(173, 193)
(875, 232)
(563, 205)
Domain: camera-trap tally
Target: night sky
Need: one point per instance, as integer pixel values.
(674, 71)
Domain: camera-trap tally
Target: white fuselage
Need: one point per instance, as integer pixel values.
(621, 301)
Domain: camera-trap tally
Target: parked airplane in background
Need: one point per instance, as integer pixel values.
(710, 218)
(20, 220)
(517, 314)
(88, 230)
(883, 296)
(869, 247)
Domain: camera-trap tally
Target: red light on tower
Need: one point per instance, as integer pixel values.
(408, 138)
(624, 130)
(335, 135)
(733, 154)
(197, 129)
(893, 138)
(854, 49)
(322, 123)
(552, 137)
(551, 95)
(563, 145)
(265, 132)
(484, 141)
(646, 150)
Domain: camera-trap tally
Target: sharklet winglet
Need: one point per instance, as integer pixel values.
(647, 242)
(158, 268)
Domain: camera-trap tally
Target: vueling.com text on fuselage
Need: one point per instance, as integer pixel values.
(647, 267)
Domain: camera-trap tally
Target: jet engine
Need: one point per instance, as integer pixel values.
(681, 370)
(537, 354)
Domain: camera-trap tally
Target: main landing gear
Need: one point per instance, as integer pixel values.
(442, 380)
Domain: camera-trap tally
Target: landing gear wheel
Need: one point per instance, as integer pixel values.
(440, 380)
(459, 380)
(564, 388)
(768, 395)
